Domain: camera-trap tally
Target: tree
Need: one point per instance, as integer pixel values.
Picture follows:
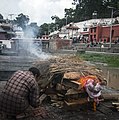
(44, 29)
(51, 27)
(22, 20)
(85, 8)
(32, 30)
(69, 15)
(56, 18)
(58, 22)
(1, 17)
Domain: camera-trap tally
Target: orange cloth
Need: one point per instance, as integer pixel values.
(83, 80)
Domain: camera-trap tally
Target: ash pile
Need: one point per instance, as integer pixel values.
(68, 80)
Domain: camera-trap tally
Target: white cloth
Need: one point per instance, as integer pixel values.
(93, 91)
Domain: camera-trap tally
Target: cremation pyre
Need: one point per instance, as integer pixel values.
(62, 80)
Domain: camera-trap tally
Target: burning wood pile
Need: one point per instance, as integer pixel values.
(64, 78)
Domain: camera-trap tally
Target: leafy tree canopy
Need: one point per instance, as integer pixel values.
(1, 17)
(32, 30)
(85, 8)
(22, 20)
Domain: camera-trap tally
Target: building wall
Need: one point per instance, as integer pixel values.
(102, 33)
(105, 34)
(72, 32)
(7, 43)
(98, 33)
(88, 23)
(63, 43)
(2, 36)
(6, 31)
(116, 32)
(56, 44)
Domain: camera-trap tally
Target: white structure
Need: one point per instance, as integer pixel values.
(7, 43)
(18, 31)
(54, 33)
(83, 27)
(63, 33)
(72, 29)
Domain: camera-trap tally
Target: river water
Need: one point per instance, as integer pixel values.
(112, 75)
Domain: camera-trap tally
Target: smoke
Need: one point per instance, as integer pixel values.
(40, 12)
(30, 46)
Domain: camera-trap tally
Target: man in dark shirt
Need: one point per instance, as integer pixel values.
(20, 92)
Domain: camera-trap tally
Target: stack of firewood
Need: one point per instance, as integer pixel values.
(59, 79)
(67, 64)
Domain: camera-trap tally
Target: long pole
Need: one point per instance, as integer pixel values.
(66, 20)
(110, 45)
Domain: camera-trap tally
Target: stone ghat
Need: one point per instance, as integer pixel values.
(10, 64)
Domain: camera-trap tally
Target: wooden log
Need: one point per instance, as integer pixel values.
(72, 75)
(76, 102)
(115, 103)
(42, 97)
(72, 84)
(108, 96)
(73, 92)
(79, 96)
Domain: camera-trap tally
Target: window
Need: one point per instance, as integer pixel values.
(94, 29)
(91, 30)
(84, 29)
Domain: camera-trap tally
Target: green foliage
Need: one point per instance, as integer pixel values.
(56, 18)
(58, 22)
(22, 20)
(69, 15)
(1, 17)
(44, 29)
(85, 9)
(111, 60)
(31, 30)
